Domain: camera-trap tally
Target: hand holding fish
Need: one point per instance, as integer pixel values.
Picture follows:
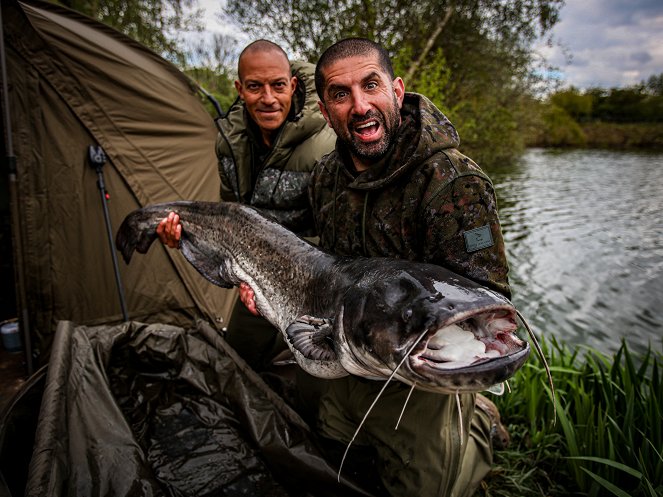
(169, 230)
(247, 296)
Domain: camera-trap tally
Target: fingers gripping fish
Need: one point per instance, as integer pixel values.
(372, 317)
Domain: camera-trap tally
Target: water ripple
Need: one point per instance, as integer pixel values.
(584, 236)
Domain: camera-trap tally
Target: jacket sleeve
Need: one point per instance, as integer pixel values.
(227, 193)
(462, 232)
(227, 173)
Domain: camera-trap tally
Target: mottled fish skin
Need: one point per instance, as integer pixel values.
(371, 310)
(229, 243)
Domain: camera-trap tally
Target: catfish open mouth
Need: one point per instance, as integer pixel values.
(475, 340)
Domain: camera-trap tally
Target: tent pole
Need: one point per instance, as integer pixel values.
(17, 244)
(97, 158)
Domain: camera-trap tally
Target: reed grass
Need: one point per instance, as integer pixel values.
(607, 438)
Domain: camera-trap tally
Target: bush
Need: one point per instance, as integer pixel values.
(558, 129)
(607, 437)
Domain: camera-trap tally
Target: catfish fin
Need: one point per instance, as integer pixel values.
(312, 337)
(206, 266)
(135, 233)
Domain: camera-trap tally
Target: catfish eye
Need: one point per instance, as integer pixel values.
(407, 314)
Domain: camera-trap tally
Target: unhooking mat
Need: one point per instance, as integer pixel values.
(157, 410)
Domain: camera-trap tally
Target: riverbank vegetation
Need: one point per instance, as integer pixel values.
(629, 117)
(606, 437)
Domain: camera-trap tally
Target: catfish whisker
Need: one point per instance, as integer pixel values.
(460, 417)
(404, 405)
(543, 359)
(377, 397)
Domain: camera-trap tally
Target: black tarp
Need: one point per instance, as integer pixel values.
(151, 410)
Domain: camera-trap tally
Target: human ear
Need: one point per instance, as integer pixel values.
(399, 90)
(238, 87)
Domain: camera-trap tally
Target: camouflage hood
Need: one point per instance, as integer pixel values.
(424, 132)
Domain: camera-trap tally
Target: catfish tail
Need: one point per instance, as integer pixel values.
(138, 230)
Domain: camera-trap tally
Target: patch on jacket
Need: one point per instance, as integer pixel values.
(478, 238)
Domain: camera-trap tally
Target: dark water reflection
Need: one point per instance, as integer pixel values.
(584, 234)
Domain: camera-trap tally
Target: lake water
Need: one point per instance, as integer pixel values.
(584, 236)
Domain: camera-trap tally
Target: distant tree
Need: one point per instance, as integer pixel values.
(621, 105)
(577, 105)
(210, 62)
(480, 50)
(560, 129)
(156, 24)
(633, 104)
(655, 85)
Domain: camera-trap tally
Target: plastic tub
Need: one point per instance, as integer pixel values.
(11, 338)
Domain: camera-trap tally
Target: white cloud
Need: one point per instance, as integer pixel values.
(612, 43)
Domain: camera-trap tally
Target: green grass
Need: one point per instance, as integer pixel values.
(607, 437)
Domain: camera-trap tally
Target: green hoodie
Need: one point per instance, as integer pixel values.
(424, 202)
(279, 187)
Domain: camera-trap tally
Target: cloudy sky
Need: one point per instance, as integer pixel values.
(611, 43)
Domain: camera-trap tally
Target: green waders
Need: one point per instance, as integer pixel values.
(425, 456)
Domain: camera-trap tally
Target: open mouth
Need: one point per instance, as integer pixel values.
(367, 130)
(477, 339)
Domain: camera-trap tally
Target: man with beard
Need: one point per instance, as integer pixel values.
(396, 186)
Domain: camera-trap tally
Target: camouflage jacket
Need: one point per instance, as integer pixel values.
(280, 186)
(424, 202)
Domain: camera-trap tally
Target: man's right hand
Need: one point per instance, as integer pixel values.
(247, 296)
(170, 230)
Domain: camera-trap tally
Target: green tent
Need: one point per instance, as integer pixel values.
(74, 82)
(159, 404)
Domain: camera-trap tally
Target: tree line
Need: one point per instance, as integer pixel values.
(626, 117)
(473, 58)
(634, 104)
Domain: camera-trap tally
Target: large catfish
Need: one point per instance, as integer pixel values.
(373, 317)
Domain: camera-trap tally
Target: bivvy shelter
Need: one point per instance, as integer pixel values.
(75, 83)
(138, 395)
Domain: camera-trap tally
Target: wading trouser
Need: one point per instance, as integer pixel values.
(425, 455)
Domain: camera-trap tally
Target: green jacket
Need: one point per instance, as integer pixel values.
(280, 185)
(425, 202)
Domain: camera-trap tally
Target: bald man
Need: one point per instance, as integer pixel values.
(267, 145)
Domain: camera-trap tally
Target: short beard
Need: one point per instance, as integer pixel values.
(375, 151)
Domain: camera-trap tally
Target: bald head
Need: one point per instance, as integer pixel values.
(266, 85)
(260, 47)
